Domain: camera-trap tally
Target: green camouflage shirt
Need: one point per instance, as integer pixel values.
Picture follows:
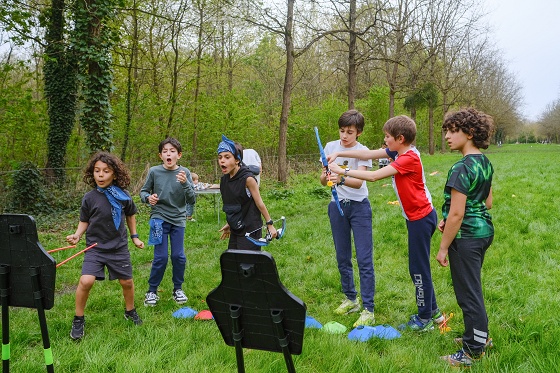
(471, 176)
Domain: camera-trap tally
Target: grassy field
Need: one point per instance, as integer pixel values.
(520, 279)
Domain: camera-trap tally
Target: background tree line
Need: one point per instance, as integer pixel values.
(77, 76)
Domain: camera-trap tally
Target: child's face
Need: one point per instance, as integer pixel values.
(103, 174)
(456, 139)
(391, 142)
(169, 155)
(228, 163)
(348, 136)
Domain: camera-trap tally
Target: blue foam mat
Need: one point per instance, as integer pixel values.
(185, 313)
(310, 322)
(364, 333)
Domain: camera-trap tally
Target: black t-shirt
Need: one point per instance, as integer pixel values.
(96, 210)
(235, 193)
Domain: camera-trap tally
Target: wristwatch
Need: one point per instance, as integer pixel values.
(134, 236)
(342, 180)
(270, 222)
(346, 171)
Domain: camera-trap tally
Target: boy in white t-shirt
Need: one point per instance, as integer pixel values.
(356, 221)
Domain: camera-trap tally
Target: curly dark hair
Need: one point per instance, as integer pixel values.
(472, 122)
(122, 176)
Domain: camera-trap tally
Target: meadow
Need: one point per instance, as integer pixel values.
(520, 280)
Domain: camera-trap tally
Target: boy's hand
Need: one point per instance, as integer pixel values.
(336, 168)
(73, 239)
(225, 232)
(442, 257)
(331, 157)
(153, 199)
(272, 231)
(139, 244)
(441, 225)
(182, 176)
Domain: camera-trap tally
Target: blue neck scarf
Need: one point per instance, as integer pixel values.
(228, 146)
(115, 194)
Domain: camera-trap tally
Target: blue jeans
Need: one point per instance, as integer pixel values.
(176, 236)
(357, 222)
(419, 238)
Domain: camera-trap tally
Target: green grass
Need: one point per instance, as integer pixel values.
(520, 277)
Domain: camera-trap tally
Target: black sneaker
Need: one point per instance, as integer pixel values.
(77, 331)
(133, 315)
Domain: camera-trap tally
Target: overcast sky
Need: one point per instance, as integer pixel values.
(528, 33)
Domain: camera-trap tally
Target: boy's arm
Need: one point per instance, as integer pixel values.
(382, 173)
(452, 224)
(147, 188)
(352, 182)
(190, 194)
(364, 154)
(74, 238)
(489, 201)
(131, 223)
(255, 193)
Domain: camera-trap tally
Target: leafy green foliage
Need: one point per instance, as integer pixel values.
(27, 193)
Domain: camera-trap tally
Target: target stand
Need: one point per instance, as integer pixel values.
(254, 310)
(27, 278)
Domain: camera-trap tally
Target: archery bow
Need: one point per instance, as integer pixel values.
(266, 240)
(326, 165)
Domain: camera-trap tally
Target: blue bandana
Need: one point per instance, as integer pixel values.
(228, 146)
(115, 194)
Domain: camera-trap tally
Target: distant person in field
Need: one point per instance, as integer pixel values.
(467, 227)
(356, 222)
(197, 185)
(242, 201)
(252, 159)
(105, 210)
(409, 183)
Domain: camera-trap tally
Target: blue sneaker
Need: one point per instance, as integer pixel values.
(461, 359)
(417, 325)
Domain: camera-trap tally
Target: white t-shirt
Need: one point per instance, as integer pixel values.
(251, 157)
(346, 192)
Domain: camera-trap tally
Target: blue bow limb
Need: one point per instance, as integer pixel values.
(326, 165)
(265, 241)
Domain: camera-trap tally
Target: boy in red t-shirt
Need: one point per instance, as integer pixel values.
(421, 219)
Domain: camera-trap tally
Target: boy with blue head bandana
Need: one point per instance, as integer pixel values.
(241, 198)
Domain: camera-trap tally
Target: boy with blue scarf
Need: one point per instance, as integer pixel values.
(101, 218)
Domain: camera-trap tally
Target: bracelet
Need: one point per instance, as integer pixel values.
(134, 236)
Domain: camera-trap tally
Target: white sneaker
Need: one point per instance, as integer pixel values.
(366, 318)
(151, 299)
(179, 296)
(348, 306)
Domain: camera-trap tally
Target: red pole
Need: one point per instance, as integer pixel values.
(75, 255)
(60, 249)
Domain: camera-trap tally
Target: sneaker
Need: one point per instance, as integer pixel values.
(151, 299)
(77, 331)
(461, 359)
(438, 317)
(417, 325)
(348, 306)
(366, 318)
(179, 296)
(132, 315)
(489, 343)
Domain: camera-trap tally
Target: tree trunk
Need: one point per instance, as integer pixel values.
(286, 95)
(352, 56)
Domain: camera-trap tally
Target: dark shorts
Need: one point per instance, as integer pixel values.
(117, 262)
